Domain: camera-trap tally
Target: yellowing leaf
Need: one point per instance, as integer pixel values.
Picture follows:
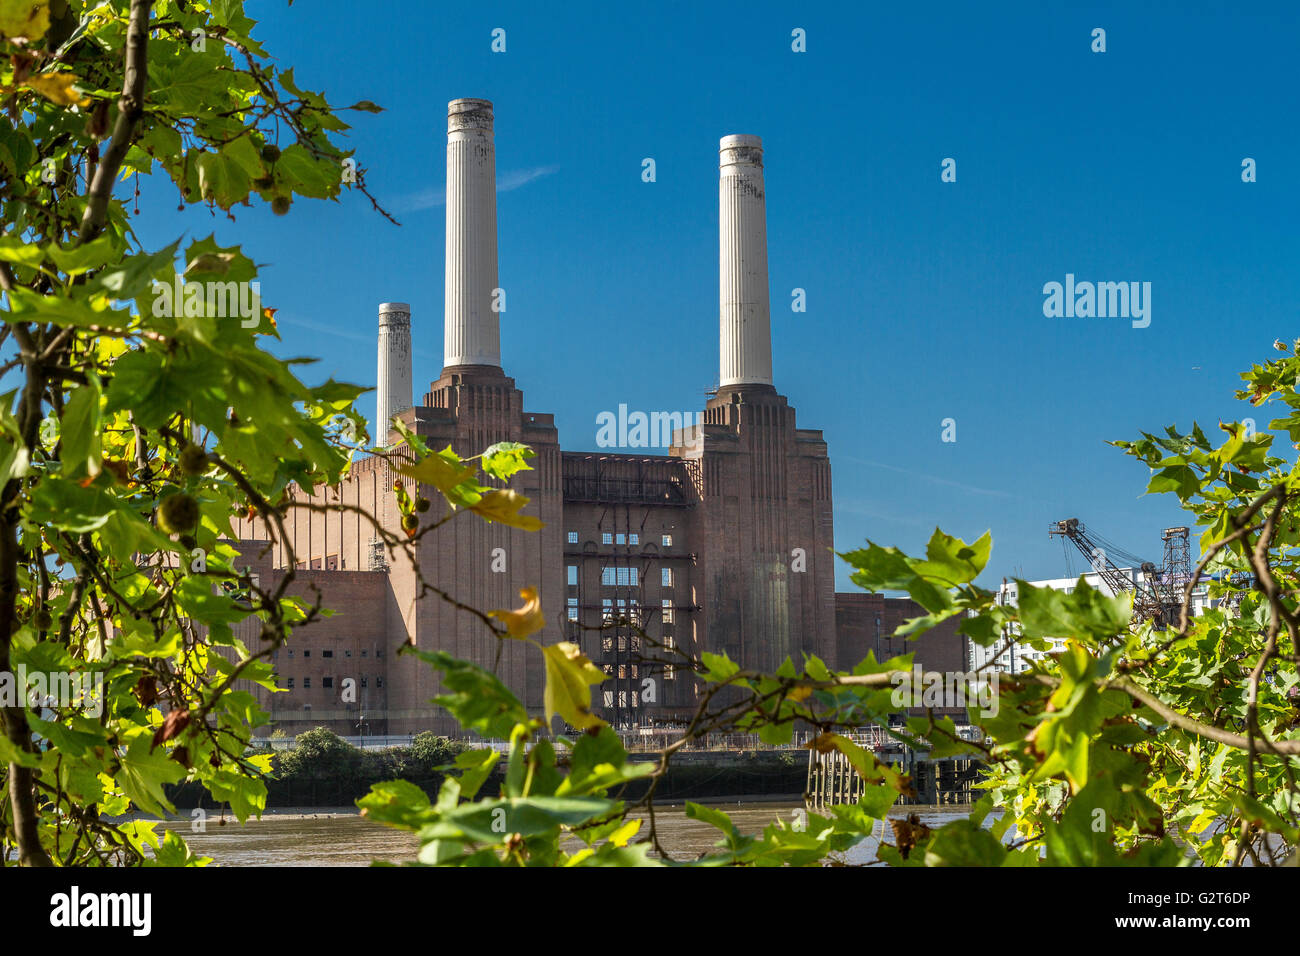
(624, 833)
(58, 88)
(527, 619)
(870, 769)
(823, 743)
(439, 472)
(568, 674)
(24, 19)
(504, 507)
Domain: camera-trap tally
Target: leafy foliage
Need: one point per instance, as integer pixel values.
(144, 412)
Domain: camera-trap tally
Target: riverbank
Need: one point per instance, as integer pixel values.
(339, 836)
(327, 772)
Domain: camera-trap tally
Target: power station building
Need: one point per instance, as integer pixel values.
(724, 544)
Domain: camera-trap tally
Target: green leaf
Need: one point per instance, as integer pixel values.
(962, 843)
(1088, 614)
(81, 432)
(506, 458)
(64, 504)
(477, 699)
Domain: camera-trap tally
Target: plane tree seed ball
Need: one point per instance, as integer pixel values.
(178, 514)
(194, 460)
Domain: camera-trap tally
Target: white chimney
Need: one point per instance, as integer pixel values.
(393, 381)
(472, 331)
(746, 336)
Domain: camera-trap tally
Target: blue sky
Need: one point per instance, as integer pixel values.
(924, 298)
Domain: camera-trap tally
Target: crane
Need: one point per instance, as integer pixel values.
(1157, 597)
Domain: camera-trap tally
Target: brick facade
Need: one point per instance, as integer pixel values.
(723, 545)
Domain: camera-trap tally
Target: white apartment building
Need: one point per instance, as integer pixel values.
(1014, 657)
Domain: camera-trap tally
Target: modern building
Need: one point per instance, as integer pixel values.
(724, 544)
(1009, 656)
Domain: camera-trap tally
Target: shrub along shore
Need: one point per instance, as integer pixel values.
(324, 770)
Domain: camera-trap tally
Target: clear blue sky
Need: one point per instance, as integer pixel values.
(924, 298)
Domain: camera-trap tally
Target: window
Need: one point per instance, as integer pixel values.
(327, 681)
(667, 611)
(573, 575)
(667, 541)
(573, 609)
(332, 562)
(315, 564)
(306, 682)
(573, 537)
(606, 608)
(606, 538)
(620, 538)
(365, 653)
(365, 681)
(619, 577)
(326, 653)
(291, 652)
(666, 577)
(634, 539)
(291, 683)
(347, 653)
(379, 682)
(306, 653)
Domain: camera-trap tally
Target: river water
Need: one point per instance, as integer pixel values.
(342, 837)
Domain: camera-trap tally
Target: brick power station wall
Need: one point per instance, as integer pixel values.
(723, 545)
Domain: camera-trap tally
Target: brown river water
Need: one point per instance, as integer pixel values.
(342, 837)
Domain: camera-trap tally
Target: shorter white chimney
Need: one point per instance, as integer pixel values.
(393, 381)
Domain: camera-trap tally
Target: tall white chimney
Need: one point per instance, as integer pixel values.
(746, 335)
(393, 381)
(472, 330)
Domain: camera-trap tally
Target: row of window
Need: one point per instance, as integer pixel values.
(328, 682)
(327, 653)
(621, 577)
(626, 608)
(332, 563)
(609, 537)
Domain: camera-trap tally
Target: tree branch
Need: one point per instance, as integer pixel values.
(129, 110)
